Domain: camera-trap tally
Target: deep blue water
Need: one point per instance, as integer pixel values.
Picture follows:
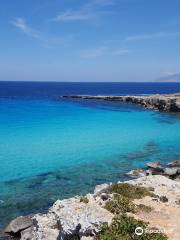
(54, 89)
(52, 148)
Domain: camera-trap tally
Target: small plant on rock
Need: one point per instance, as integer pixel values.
(120, 204)
(144, 208)
(84, 200)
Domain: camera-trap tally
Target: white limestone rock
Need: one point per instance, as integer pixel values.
(100, 189)
(162, 185)
(80, 218)
(47, 226)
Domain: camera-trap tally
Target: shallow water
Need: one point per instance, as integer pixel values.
(52, 149)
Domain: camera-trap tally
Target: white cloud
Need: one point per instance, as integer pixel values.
(122, 51)
(46, 41)
(21, 24)
(88, 11)
(152, 36)
(95, 52)
(168, 73)
(101, 51)
(70, 15)
(102, 2)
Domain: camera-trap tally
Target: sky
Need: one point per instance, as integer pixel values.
(89, 40)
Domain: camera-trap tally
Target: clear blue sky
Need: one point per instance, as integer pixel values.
(89, 40)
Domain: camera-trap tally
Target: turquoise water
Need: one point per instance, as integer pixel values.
(53, 149)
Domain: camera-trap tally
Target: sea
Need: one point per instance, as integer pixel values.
(53, 148)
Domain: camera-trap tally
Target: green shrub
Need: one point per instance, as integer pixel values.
(130, 191)
(144, 208)
(123, 228)
(120, 204)
(84, 200)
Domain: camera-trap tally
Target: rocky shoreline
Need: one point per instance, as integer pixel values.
(159, 102)
(171, 170)
(154, 199)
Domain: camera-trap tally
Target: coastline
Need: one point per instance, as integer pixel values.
(159, 102)
(81, 217)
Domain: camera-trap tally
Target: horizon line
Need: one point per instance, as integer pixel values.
(54, 81)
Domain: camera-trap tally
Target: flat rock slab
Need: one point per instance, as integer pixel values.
(81, 218)
(71, 219)
(163, 186)
(19, 224)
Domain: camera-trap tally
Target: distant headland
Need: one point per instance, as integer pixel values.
(159, 102)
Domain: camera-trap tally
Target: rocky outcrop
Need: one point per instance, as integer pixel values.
(161, 185)
(79, 218)
(160, 102)
(70, 217)
(171, 170)
(137, 173)
(165, 213)
(18, 225)
(73, 219)
(175, 163)
(66, 219)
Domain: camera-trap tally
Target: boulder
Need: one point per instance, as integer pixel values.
(19, 224)
(175, 163)
(28, 234)
(137, 173)
(155, 168)
(155, 165)
(171, 171)
(47, 226)
(105, 196)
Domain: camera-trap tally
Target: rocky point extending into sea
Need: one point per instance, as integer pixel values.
(160, 102)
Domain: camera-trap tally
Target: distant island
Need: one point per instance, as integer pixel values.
(169, 78)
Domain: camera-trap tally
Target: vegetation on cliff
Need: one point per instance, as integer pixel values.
(124, 226)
